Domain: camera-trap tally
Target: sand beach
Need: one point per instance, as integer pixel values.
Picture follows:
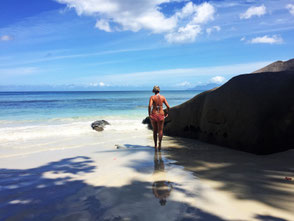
(116, 175)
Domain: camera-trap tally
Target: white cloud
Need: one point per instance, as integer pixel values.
(254, 11)
(103, 24)
(267, 40)
(217, 79)
(127, 15)
(196, 15)
(130, 15)
(290, 7)
(184, 84)
(184, 34)
(243, 39)
(93, 84)
(102, 84)
(6, 38)
(186, 11)
(212, 29)
(204, 13)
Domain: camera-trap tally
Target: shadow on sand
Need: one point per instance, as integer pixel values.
(30, 195)
(247, 176)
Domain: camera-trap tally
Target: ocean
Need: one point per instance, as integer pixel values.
(26, 117)
(52, 105)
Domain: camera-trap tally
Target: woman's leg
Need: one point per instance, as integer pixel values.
(155, 131)
(160, 132)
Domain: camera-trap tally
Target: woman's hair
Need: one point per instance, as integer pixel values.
(156, 89)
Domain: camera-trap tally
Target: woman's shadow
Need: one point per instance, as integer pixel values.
(161, 188)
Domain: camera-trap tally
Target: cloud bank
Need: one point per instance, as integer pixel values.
(168, 77)
(114, 15)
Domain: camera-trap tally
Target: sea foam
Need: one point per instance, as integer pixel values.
(14, 132)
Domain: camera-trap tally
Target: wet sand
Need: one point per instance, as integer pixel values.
(119, 176)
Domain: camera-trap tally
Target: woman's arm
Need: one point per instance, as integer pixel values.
(166, 104)
(149, 106)
(167, 107)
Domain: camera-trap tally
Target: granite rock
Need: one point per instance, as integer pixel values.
(99, 125)
(251, 112)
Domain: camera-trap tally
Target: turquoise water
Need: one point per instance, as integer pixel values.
(48, 105)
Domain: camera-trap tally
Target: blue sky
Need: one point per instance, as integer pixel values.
(133, 45)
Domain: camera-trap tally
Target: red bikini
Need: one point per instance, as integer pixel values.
(157, 116)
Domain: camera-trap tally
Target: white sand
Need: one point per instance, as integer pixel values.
(85, 177)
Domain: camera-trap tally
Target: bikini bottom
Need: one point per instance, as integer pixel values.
(157, 117)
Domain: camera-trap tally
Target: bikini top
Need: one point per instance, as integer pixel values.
(159, 103)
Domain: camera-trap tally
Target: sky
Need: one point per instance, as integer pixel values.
(136, 44)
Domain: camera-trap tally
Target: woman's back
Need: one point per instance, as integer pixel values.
(157, 107)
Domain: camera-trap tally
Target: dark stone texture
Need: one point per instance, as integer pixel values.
(148, 122)
(99, 125)
(278, 66)
(251, 112)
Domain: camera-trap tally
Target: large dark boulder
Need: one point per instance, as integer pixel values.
(251, 112)
(99, 125)
(278, 66)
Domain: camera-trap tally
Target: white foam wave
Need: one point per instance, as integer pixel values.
(42, 131)
(125, 125)
(62, 128)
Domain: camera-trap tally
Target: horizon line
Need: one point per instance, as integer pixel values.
(102, 90)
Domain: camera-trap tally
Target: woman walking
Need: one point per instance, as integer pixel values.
(157, 115)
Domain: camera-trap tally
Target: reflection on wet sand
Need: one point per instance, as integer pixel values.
(161, 188)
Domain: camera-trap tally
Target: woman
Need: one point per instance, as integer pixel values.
(157, 114)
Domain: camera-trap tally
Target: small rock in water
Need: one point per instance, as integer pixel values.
(119, 146)
(148, 122)
(99, 125)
